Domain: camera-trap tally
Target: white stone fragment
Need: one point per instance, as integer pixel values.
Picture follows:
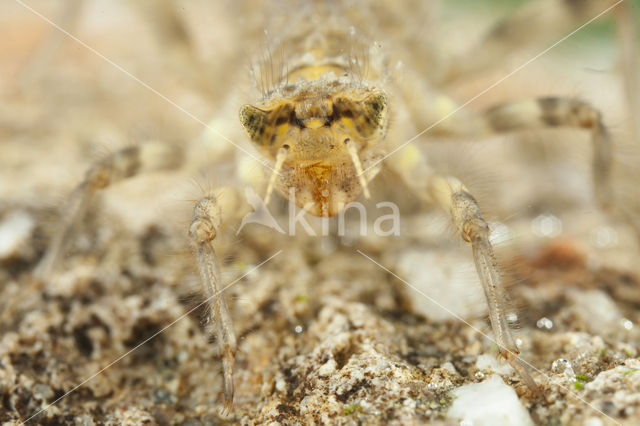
(449, 367)
(488, 403)
(281, 385)
(597, 310)
(593, 421)
(444, 284)
(491, 364)
(15, 229)
(327, 368)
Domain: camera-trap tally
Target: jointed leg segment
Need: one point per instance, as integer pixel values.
(206, 220)
(119, 166)
(561, 112)
(130, 162)
(465, 213)
(451, 195)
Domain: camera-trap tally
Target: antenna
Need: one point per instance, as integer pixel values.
(353, 152)
(280, 157)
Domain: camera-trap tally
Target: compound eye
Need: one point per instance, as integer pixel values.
(254, 121)
(366, 118)
(267, 128)
(374, 109)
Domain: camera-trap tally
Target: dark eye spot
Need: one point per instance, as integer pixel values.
(377, 105)
(347, 113)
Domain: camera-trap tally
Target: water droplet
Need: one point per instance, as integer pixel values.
(627, 324)
(604, 236)
(546, 225)
(298, 329)
(512, 317)
(479, 375)
(544, 322)
(563, 366)
(519, 342)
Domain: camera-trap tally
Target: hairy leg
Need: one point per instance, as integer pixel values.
(119, 166)
(567, 112)
(548, 112)
(452, 196)
(528, 114)
(206, 220)
(448, 193)
(203, 230)
(525, 114)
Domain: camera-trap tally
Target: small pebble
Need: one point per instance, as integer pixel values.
(490, 402)
(15, 229)
(327, 368)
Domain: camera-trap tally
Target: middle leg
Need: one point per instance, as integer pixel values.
(547, 112)
(454, 198)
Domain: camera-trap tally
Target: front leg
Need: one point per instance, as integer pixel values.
(203, 230)
(454, 198)
(451, 195)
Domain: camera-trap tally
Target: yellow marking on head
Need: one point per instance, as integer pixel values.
(314, 123)
(282, 129)
(347, 122)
